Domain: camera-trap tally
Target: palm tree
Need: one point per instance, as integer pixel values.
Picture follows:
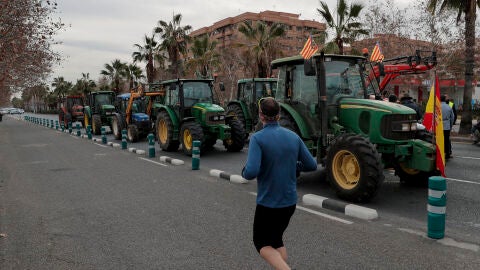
(205, 57)
(469, 8)
(133, 73)
(346, 26)
(148, 53)
(86, 84)
(262, 39)
(114, 72)
(174, 40)
(61, 87)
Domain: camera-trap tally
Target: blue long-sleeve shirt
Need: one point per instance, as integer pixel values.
(272, 158)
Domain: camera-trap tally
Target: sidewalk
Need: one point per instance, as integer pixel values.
(455, 137)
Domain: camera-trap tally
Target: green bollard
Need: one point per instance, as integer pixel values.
(196, 155)
(151, 145)
(89, 132)
(51, 123)
(437, 205)
(78, 130)
(104, 135)
(56, 124)
(70, 128)
(43, 121)
(124, 139)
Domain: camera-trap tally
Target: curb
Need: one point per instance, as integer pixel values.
(230, 177)
(136, 151)
(339, 206)
(171, 160)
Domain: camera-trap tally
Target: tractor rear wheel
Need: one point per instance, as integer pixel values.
(164, 132)
(117, 127)
(237, 136)
(190, 131)
(354, 168)
(286, 121)
(132, 133)
(96, 124)
(68, 120)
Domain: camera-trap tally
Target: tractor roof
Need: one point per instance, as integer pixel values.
(257, 80)
(186, 80)
(298, 59)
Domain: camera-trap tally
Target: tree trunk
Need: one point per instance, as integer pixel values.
(470, 17)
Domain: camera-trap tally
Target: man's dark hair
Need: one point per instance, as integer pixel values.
(443, 98)
(392, 98)
(269, 107)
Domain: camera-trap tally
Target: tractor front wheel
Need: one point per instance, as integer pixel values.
(236, 111)
(354, 168)
(190, 131)
(96, 124)
(164, 132)
(237, 136)
(86, 120)
(413, 177)
(132, 133)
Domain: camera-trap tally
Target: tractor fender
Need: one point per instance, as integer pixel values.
(87, 111)
(302, 126)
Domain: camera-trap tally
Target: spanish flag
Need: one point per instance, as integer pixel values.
(433, 122)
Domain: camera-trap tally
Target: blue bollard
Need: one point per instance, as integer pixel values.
(89, 132)
(78, 130)
(104, 135)
(124, 139)
(151, 145)
(196, 155)
(437, 205)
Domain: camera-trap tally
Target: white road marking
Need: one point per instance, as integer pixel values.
(101, 145)
(445, 241)
(467, 157)
(344, 221)
(463, 181)
(158, 163)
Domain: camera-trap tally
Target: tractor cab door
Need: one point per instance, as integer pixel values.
(247, 94)
(173, 100)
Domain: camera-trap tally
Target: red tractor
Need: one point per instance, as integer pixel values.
(71, 110)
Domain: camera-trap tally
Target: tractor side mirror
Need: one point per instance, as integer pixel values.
(309, 68)
(222, 86)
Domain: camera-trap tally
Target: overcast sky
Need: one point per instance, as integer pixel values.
(103, 30)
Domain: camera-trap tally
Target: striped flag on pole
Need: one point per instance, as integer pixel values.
(309, 49)
(377, 55)
(432, 121)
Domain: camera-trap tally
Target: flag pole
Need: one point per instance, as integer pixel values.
(434, 118)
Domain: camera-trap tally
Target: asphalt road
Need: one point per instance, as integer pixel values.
(70, 203)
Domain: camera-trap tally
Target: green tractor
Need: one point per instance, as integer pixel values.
(189, 113)
(325, 101)
(99, 110)
(245, 107)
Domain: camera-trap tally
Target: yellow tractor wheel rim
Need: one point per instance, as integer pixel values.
(162, 131)
(187, 139)
(346, 169)
(85, 120)
(409, 171)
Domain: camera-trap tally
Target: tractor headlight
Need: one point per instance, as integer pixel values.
(404, 126)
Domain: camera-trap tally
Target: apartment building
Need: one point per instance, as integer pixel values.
(226, 33)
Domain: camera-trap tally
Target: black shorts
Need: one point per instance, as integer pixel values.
(269, 225)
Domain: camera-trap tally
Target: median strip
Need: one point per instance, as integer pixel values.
(339, 206)
(230, 177)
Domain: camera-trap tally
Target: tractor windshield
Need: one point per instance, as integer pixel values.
(102, 99)
(266, 89)
(194, 92)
